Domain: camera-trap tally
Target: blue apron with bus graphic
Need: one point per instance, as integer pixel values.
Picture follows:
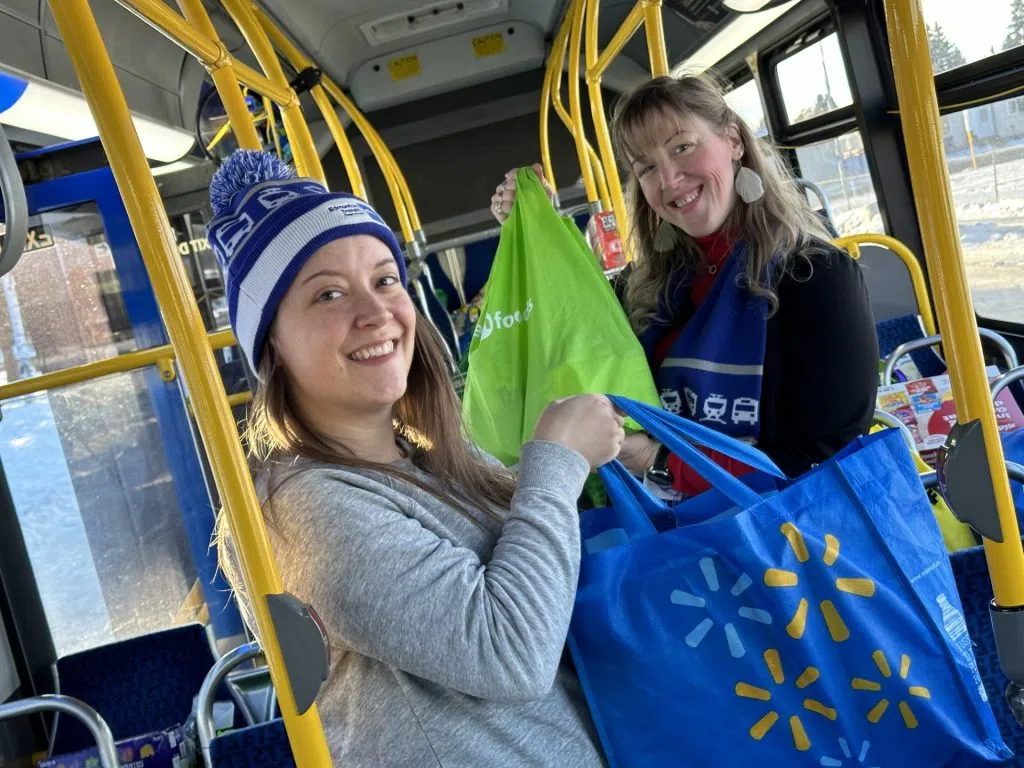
(768, 621)
(713, 369)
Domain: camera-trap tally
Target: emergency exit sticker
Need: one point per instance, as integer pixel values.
(405, 67)
(489, 45)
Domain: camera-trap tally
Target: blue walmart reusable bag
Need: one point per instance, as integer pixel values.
(771, 622)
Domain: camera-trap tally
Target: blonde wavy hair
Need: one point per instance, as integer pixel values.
(778, 226)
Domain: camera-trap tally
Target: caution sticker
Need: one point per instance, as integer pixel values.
(405, 67)
(489, 45)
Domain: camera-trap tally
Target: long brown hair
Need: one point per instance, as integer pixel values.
(428, 416)
(774, 227)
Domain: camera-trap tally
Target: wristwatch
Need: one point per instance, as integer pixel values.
(659, 473)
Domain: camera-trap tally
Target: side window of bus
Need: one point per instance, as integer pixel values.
(985, 157)
(956, 39)
(813, 84)
(984, 148)
(745, 101)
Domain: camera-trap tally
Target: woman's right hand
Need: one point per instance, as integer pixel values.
(504, 196)
(587, 424)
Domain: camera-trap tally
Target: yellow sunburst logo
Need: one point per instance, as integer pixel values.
(807, 678)
(878, 711)
(775, 577)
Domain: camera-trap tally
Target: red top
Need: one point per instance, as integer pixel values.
(716, 249)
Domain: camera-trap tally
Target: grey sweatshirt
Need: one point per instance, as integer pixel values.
(447, 637)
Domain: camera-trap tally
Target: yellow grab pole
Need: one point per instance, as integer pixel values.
(348, 157)
(552, 70)
(576, 12)
(624, 34)
(604, 138)
(558, 53)
(185, 327)
(223, 75)
(307, 162)
(602, 183)
(176, 29)
(922, 136)
(656, 50)
(408, 216)
(129, 361)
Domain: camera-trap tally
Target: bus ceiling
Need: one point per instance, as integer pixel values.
(385, 56)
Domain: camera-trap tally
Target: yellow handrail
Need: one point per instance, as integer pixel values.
(656, 50)
(239, 398)
(408, 216)
(223, 74)
(852, 243)
(545, 114)
(576, 13)
(604, 138)
(553, 84)
(173, 292)
(307, 161)
(922, 137)
(130, 361)
(348, 157)
(632, 22)
(211, 53)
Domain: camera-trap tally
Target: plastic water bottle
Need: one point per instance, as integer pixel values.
(956, 627)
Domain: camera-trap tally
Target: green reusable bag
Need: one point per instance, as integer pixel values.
(550, 327)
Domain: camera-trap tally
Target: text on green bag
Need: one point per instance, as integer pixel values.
(496, 320)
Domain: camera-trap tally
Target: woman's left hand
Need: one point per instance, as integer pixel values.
(638, 453)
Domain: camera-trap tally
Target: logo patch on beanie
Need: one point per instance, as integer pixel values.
(274, 196)
(353, 209)
(229, 234)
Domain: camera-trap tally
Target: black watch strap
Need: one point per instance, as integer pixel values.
(659, 471)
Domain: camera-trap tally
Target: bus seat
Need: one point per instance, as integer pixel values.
(890, 270)
(975, 587)
(889, 284)
(259, 746)
(895, 331)
(138, 686)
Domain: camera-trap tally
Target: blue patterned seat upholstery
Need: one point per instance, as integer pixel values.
(975, 589)
(264, 745)
(139, 686)
(900, 330)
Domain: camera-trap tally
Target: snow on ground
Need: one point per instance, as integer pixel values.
(990, 211)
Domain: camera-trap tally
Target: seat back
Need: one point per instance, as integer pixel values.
(138, 686)
(889, 284)
(259, 746)
(895, 331)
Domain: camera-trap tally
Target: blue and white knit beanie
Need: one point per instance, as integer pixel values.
(267, 223)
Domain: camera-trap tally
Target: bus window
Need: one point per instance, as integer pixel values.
(90, 481)
(840, 167)
(813, 81)
(746, 102)
(985, 157)
(956, 38)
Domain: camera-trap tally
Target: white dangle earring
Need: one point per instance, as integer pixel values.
(664, 237)
(749, 185)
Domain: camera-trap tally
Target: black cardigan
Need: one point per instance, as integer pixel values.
(820, 380)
